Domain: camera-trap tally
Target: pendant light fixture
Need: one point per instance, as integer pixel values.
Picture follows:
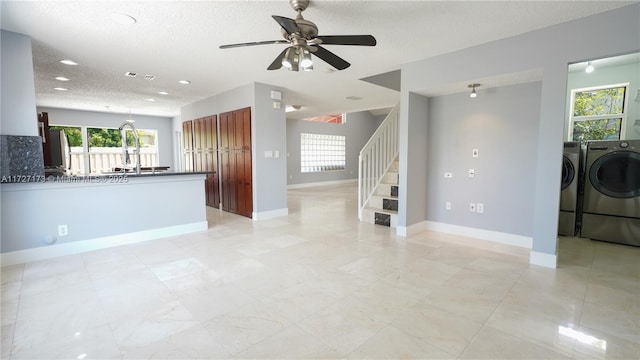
(296, 58)
(473, 89)
(589, 69)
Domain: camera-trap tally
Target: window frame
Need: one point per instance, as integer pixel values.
(86, 153)
(622, 116)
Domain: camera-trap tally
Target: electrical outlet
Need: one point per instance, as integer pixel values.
(472, 173)
(472, 207)
(447, 205)
(63, 230)
(480, 208)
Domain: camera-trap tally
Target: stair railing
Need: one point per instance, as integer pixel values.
(376, 157)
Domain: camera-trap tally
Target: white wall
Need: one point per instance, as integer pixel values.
(358, 129)
(628, 73)
(18, 95)
(550, 49)
(101, 119)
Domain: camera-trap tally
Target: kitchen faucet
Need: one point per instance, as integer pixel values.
(125, 152)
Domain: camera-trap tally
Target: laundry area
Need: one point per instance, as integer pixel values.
(600, 192)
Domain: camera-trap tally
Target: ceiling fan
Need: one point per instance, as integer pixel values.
(303, 36)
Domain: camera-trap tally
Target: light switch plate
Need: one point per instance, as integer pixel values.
(475, 153)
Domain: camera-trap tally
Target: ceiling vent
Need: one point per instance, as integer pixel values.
(130, 74)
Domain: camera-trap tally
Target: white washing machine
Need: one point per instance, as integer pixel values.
(571, 174)
(611, 209)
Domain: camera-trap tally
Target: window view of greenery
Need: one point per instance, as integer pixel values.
(104, 148)
(597, 114)
(74, 134)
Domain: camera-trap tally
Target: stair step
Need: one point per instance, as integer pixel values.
(380, 216)
(378, 201)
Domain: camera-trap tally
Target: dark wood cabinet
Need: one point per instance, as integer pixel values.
(43, 131)
(225, 138)
(235, 162)
(200, 153)
(187, 145)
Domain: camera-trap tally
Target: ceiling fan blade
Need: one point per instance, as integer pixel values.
(289, 25)
(330, 58)
(277, 63)
(228, 46)
(362, 40)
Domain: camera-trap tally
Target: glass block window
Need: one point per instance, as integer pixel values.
(322, 152)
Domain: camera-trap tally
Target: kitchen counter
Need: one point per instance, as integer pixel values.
(96, 212)
(110, 177)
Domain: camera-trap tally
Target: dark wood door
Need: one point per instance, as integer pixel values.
(187, 145)
(235, 161)
(43, 130)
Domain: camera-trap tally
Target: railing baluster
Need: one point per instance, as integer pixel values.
(376, 157)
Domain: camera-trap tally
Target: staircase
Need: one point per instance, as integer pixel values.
(382, 208)
(378, 174)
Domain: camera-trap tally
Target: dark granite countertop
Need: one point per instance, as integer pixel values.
(111, 177)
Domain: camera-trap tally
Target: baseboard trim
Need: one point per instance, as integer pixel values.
(489, 235)
(266, 215)
(411, 229)
(322, 183)
(543, 259)
(77, 247)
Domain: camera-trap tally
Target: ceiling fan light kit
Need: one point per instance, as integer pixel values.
(302, 36)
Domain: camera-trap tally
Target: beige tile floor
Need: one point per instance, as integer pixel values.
(319, 284)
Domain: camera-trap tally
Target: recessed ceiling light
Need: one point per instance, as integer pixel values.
(184, 82)
(62, 78)
(123, 19)
(149, 77)
(151, 99)
(60, 89)
(68, 62)
(163, 93)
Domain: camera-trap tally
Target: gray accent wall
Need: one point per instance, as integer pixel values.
(550, 49)
(111, 120)
(358, 129)
(502, 123)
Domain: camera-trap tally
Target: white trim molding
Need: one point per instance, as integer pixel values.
(77, 247)
(489, 235)
(543, 259)
(322, 183)
(411, 229)
(266, 215)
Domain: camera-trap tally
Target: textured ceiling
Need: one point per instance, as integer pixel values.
(175, 40)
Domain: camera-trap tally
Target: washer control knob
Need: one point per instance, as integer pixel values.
(624, 144)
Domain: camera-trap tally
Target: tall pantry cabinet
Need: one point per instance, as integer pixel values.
(200, 153)
(225, 138)
(235, 162)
